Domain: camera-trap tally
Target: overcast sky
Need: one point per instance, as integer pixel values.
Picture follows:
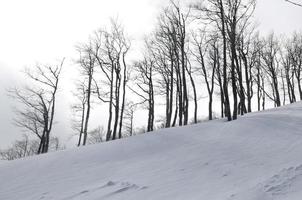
(45, 31)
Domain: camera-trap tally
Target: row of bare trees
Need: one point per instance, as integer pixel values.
(208, 47)
(213, 42)
(104, 75)
(25, 147)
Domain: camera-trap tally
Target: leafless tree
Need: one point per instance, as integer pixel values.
(36, 111)
(289, 72)
(296, 59)
(271, 66)
(27, 147)
(172, 47)
(87, 64)
(145, 87)
(96, 135)
(213, 12)
(249, 55)
(207, 56)
(79, 109)
(110, 51)
(163, 55)
(258, 73)
(129, 118)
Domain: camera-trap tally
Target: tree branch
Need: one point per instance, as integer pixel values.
(294, 3)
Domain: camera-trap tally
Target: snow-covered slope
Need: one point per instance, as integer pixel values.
(258, 157)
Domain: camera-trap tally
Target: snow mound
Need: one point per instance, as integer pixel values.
(257, 157)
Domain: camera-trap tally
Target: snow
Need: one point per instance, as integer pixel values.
(257, 157)
(2, 161)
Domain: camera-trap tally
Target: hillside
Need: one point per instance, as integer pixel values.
(257, 157)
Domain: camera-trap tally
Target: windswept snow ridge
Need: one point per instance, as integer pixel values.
(257, 157)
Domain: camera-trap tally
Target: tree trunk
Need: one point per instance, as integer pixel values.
(225, 74)
(108, 135)
(123, 98)
(88, 106)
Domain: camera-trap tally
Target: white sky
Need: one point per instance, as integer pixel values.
(47, 30)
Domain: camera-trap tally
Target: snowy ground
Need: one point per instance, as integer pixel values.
(258, 157)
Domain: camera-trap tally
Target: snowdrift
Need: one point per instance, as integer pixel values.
(257, 157)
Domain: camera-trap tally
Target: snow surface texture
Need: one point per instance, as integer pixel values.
(257, 157)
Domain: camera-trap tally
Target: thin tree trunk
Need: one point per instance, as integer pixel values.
(225, 74)
(82, 124)
(117, 103)
(108, 135)
(88, 106)
(124, 97)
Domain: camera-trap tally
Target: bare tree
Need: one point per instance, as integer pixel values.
(163, 55)
(20, 148)
(206, 54)
(296, 59)
(145, 88)
(271, 66)
(87, 63)
(190, 71)
(172, 39)
(79, 109)
(36, 112)
(258, 74)
(249, 54)
(129, 118)
(289, 72)
(27, 147)
(110, 51)
(96, 135)
(213, 12)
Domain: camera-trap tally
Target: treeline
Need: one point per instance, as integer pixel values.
(25, 147)
(214, 42)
